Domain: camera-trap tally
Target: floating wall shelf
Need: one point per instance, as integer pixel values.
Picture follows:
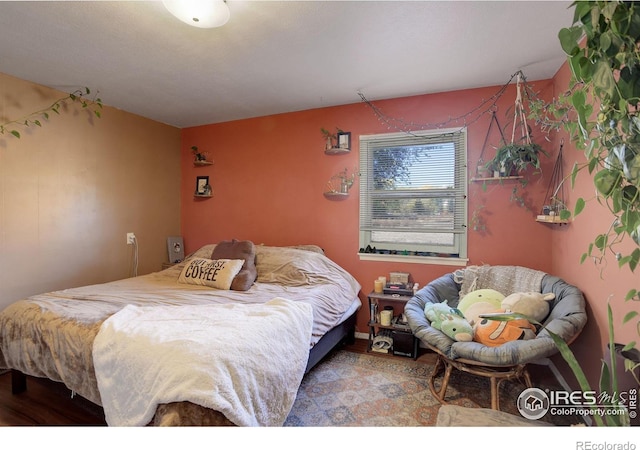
(551, 219)
(336, 195)
(475, 179)
(336, 151)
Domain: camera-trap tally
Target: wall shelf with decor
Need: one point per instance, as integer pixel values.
(336, 143)
(202, 163)
(339, 185)
(203, 188)
(551, 219)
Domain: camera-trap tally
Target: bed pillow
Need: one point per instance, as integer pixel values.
(309, 248)
(208, 272)
(244, 250)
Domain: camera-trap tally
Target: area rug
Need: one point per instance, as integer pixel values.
(352, 389)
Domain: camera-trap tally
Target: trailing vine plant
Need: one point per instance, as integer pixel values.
(36, 118)
(603, 48)
(600, 113)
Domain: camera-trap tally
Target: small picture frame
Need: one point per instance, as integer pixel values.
(344, 140)
(202, 185)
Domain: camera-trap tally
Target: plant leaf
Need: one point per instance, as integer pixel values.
(574, 174)
(603, 78)
(580, 204)
(569, 40)
(630, 315)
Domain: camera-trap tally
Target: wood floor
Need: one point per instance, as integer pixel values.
(45, 403)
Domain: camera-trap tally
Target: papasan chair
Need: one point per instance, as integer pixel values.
(567, 318)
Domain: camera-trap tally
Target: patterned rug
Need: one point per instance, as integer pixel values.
(352, 389)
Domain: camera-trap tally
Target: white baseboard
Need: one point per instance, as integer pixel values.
(364, 336)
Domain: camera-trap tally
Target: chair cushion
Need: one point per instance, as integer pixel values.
(567, 319)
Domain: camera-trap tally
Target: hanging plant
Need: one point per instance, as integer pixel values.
(516, 158)
(600, 113)
(602, 49)
(36, 118)
(521, 153)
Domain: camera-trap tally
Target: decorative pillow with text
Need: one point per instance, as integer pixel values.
(218, 273)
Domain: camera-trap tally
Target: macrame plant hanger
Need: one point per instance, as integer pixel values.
(519, 115)
(555, 196)
(482, 171)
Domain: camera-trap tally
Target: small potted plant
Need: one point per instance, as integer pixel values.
(330, 138)
(197, 154)
(341, 183)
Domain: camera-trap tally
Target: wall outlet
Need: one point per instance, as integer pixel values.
(131, 238)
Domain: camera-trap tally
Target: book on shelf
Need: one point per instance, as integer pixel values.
(400, 324)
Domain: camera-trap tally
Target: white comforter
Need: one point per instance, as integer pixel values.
(146, 356)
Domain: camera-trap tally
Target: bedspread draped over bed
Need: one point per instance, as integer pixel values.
(146, 356)
(51, 335)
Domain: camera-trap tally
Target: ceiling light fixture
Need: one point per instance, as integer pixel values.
(199, 13)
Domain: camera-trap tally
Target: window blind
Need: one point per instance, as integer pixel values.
(413, 184)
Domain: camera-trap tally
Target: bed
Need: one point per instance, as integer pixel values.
(163, 350)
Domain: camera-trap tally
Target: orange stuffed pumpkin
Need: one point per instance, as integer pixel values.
(493, 333)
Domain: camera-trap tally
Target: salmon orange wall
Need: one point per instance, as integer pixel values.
(269, 175)
(601, 283)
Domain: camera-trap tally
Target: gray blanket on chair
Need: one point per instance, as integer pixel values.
(504, 279)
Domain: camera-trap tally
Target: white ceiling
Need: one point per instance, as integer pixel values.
(276, 56)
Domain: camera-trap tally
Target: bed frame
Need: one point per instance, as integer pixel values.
(340, 334)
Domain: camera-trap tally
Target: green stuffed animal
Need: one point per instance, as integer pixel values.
(457, 328)
(480, 301)
(449, 320)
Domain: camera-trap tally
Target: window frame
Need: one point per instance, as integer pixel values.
(445, 255)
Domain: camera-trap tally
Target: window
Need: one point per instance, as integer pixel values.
(413, 190)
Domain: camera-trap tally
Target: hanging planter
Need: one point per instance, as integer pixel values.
(555, 208)
(521, 154)
(485, 170)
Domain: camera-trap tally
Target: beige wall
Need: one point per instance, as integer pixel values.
(72, 189)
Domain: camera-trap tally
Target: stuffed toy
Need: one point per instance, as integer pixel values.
(457, 328)
(493, 333)
(449, 320)
(478, 302)
(435, 312)
(531, 304)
